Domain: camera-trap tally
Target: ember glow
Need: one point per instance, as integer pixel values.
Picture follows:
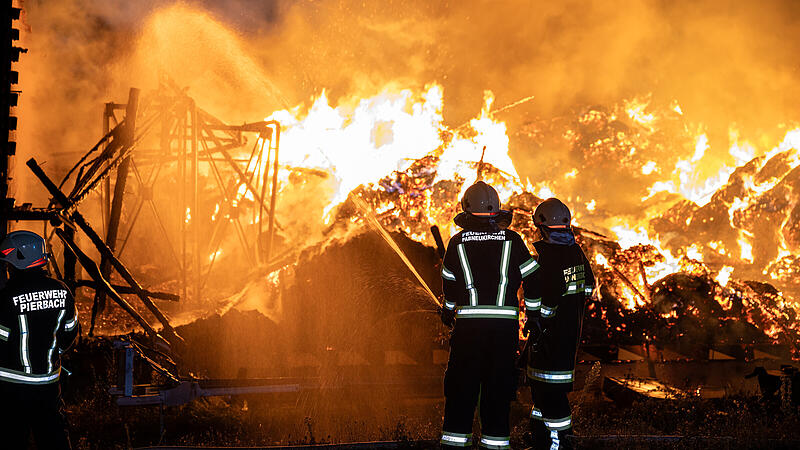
(363, 140)
(395, 151)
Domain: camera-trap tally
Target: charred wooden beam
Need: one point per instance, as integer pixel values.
(628, 283)
(101, 246)
(91, 185)
(70, 261)
(94, 272)
(31, 214)
(83, 157)
(128, 290)
(118, 141)
(115, 211)
(84, 177)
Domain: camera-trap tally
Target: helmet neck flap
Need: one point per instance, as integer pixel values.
(496, 222)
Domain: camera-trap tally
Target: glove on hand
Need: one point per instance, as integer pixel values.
(448, 317)
(533, 329)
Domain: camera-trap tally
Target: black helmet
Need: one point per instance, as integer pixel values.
(23, 250)
(552, 213)
(481, 200)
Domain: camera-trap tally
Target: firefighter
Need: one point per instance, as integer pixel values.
(38, 323)
(482, 270)
(554, 306)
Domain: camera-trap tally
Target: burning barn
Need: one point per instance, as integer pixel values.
(225, 234)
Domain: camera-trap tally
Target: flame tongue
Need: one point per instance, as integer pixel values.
(360, 144)
(395, 153)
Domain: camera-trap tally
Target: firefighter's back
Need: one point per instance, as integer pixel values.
(36, 312)
(482, 271)
(566, 280)
(38, 322)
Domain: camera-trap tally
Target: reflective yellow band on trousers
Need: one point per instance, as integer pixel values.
(488, 311)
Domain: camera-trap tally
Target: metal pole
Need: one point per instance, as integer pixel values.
(195, 205)
(182, 189)
(271, 229)
(264, 182)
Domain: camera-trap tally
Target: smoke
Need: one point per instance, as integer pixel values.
(724, 62)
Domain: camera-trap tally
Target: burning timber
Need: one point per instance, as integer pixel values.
(326, 320)
(645, 295)
(690, 312)
(690, 308)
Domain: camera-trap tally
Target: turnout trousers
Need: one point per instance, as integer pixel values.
(550, 416)
(481, 371)
(33, 408)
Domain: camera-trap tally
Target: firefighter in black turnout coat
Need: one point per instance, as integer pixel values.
(482, 271)
(38, 322)
(554, 304)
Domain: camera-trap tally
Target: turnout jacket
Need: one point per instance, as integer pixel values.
(557, 295)
(482, 272)
(38, 322)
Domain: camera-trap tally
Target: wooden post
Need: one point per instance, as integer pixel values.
(128, 290)
(94, 272)
(101, 246)
(99, 304)
(70, 262)
(115, 210)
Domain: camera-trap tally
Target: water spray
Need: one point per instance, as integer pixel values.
(372, 221)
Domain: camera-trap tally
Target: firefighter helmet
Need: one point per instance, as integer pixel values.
(23, 250)
(552, 213)
(481, 199)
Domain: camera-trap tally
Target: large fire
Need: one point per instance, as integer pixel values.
(363, 140)
(661, 205)
(395, 152)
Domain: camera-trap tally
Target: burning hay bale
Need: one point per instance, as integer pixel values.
(645, 294)
(749, 224)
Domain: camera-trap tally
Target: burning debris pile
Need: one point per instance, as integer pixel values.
(751, 224)
(614, 159)
(692, 306)
(391, 161)
(646, 293)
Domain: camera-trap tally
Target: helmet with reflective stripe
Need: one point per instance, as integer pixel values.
(23, 250)
(552, 214)
(481, 199)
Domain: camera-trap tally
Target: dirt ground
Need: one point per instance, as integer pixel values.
(389, 415)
